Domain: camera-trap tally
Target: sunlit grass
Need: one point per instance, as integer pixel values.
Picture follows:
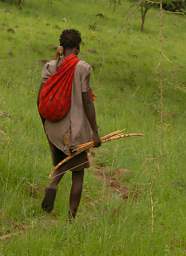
(126, 82)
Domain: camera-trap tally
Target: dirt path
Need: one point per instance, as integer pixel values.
(112, 180)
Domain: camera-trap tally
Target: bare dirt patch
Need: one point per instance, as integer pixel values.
(111, 180)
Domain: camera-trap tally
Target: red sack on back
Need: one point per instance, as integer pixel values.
(55, 94)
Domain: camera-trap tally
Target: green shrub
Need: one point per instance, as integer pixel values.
(172, 5)
(17, 2)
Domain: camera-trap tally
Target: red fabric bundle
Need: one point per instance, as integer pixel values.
(55, 94)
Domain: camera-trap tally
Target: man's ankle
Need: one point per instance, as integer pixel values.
(52, 186)
(71, 214)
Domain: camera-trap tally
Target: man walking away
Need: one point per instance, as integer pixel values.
(75, 124)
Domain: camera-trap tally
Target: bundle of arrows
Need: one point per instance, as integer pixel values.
(120, 134)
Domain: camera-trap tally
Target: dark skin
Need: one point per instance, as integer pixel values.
(77, 176)
(91, 116)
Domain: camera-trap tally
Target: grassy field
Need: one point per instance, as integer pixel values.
(126, 79)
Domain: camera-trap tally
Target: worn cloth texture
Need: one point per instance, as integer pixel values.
(74, 128)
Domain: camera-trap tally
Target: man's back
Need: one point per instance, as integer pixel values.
(74, 129)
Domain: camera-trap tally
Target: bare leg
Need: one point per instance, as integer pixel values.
(58, 176)
(50, 192)
(75, 193)
(77, 180)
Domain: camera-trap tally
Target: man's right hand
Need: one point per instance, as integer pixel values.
(97, 140)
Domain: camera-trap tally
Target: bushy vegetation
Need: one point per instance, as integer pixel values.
(129, 69)
(19, 3)
(170, 5)
(174, 5)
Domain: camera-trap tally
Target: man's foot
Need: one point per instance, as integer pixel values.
(70, 217)
(49, 199)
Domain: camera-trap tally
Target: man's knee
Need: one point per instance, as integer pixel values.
(78, 173)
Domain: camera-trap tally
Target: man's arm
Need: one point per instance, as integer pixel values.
(91, 116)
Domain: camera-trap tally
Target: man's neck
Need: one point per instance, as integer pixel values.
(68, 52)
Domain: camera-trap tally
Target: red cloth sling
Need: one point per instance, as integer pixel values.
(55, 94)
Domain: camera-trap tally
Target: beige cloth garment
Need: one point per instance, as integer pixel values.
(74, 128)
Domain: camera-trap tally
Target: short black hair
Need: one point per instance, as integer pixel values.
(70, 38)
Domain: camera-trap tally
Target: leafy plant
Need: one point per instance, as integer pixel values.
(172, 5)
(19, 3)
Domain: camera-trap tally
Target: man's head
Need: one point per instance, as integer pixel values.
(70, 39)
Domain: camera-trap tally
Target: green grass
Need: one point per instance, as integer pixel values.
(126, 82)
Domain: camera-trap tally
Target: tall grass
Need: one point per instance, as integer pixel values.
(126, 82)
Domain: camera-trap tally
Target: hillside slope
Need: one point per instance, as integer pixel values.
(128, 70)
